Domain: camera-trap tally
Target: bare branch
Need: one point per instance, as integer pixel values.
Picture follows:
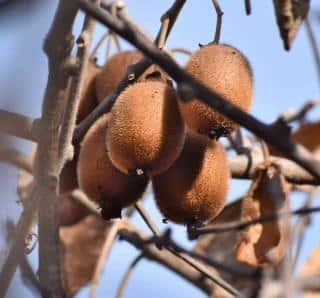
(240, 225)
(166, 241)
(178, 265)
(48, 161)
(219, 13)
(127, 275)
(15, 157)
(314, 46)
(19, 125)
(147, 219)
(301, 113)
(243, 167)
(70, 114)
(185, 258)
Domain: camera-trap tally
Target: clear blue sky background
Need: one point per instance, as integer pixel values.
(282, 79)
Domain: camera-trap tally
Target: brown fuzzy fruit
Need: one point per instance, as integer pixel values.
(194, 188)
(68, 177)
(100, 180)
(113, 71)
(146, 131)
(227, 72)
(88, 99)
(70, 212)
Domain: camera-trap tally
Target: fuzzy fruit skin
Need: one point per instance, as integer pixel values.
(146, 129)
(195, 187)
(113, 71)
(225, 71)
(88, 98)
(70, 212)
(68, 178)
(100, 180)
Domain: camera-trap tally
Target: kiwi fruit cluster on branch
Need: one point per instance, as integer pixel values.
(151, 133)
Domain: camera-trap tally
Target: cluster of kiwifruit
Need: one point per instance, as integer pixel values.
(145, 136)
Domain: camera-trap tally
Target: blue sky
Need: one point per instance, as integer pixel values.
(282, 79)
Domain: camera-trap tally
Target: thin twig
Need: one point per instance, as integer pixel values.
(165, 240)
(71, 110)
(240, 225)
(82, 199)
(126, 276)
(147, 219)
(219, 13)
(181, 50)
(300, 227)
(194, 272)
(98, 45)
(301, 113)
(314, 46)
(19, 125)
(163, 33)
(247, 5)
(134, 72)
(276, 134)
(185, 258)
(15, 157)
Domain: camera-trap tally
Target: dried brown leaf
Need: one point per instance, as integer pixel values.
(266, 243)
(290, 15)
(221, 247)
(81, 246)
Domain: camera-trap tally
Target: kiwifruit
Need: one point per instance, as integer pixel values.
(100, 180)
(146, 131)
(88, 100)
(227, 72)
(68, 177)
(70, 212)
(113, 71)
(194, 188)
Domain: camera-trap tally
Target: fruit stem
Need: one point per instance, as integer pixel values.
(219, 13)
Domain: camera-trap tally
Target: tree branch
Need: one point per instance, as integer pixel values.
(243, 167)
(71, 110)
(57, 46)
(240, 225)
(126, 276)
(19, 125)
(276, 134)
(15, 157)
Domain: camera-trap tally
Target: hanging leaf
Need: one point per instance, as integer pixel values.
(221, 247)
(81, 246)
(290, 15)
(265, 243)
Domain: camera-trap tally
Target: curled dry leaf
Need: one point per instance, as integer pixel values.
(264, 244)
(308, 135)
(221, 247)
(81, 246)
(290, 15)
(311, 267)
